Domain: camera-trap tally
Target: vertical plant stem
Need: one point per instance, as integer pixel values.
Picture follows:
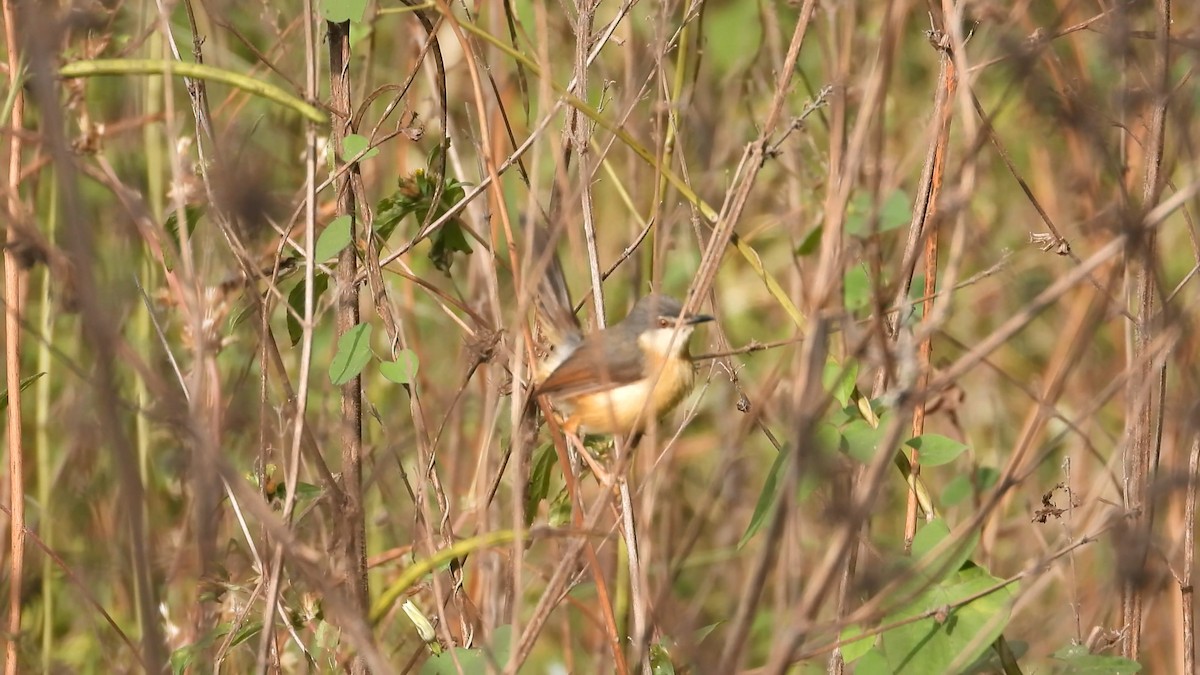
(275, 572)
(1145, 388)
(579, 132)
(45, 364)
(924, 224)
(12, 356)
(353, 537)
(98, 330)
(1186, 591)
(641, 632)
(154, 88)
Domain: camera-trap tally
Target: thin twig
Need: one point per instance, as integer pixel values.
(1186, 591)
(13, 276)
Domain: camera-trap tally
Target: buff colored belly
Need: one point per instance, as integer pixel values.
(625, 408)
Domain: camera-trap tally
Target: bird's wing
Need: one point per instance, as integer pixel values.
(579, 373)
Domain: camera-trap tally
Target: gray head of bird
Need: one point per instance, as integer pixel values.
(654, 319)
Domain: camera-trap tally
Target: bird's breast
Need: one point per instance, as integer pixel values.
(633, 406)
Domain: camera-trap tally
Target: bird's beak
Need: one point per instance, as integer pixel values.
(694, 319)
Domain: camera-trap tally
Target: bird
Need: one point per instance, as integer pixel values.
(618, 380)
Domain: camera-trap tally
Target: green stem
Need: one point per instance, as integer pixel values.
(167, 68)
(45, 470)
(413, 573)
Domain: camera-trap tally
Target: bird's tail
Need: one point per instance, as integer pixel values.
(555, 312)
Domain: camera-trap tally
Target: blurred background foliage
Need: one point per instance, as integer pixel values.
(1069, 91)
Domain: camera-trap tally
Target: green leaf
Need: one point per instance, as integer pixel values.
(936, 450)
(660, 660)
(957, 490)
(766, 498)
(307, 490)
(446, 241)
(353, 144)
(873, 662)
(956, 635)
(359, 31)
(839, 380)
(181, 659)
(895, 212)
(929, 536)
(705, 632)
(824, 439)
(931, 568)
(963, 486)
(987, 477)
(1080, 662)
(857, 288)
(473, 661)
(453, 193)
(327, 640)
(724, 20)
(852, 651)
(339, 11)
(827, 440)
(25, 383)
(857, 211)
(538, 487)
(434, 159)
(842, 415)
(990, 663)
(333, 239)
(861, 440)
(388, 214)
(191, 214)
(501, 643)
(296, 303)
(414, 196)
(915, 293)
(403, 370)
(560, 509)
(353, 353)
(812, 241)
(247, 631)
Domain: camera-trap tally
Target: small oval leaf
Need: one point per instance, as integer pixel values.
(333, 239)
(353, 144)
(839, 380)
(964, 486)
(928, 537)
(861, 440)
(853, 649)
(935, 449)
(811, 242)
(957, 490)
(403, 370)
(353, 354)
(296, 303)
(857, 288)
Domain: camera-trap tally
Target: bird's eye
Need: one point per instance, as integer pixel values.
(664, 323)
